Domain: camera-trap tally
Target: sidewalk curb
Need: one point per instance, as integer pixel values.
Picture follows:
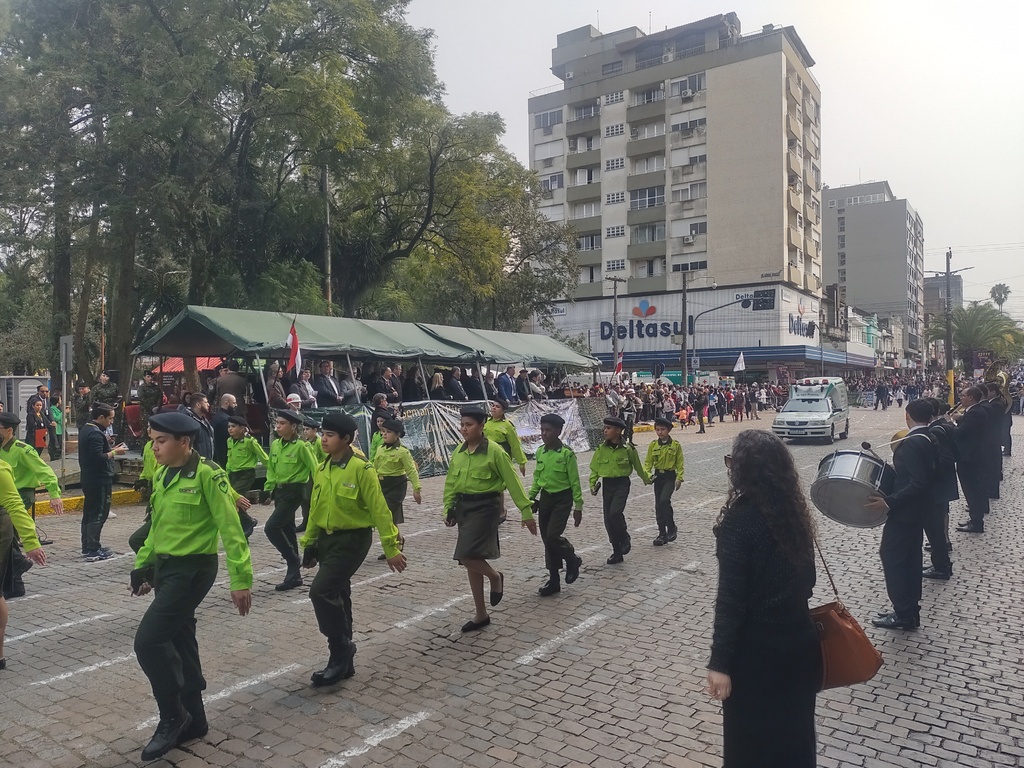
(74, 503)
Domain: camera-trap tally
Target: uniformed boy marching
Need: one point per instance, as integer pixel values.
(244, 454)
(290, 466)
(396, 469)
(311, 434)
(145, 487)
(192, 509)
(347, 504)
(612, 464)
(555, 491)
(665, 459)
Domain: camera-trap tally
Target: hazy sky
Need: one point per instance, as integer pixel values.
(924, 93)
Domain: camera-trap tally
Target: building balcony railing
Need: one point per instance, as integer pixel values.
(647, 98)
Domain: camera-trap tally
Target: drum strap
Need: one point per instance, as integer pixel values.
(827, 571)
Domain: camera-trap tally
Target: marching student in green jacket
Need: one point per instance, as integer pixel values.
(556, 490)
(500, 430)
(311, 434)
(145, 487)
(347, 505)
(244, 454)
(376, 439)
(192, 510)
(665, 458)
(612, 464)
(291, 464)
(478, 473)
(396, 468)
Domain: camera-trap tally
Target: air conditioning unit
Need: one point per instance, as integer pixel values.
(665, 59)
(569, 75)
(688, 239)
(686, 93)
(548, 130)
(573, 145)
(634, 133)
(794, 179)
(547, 194)
(548, 162)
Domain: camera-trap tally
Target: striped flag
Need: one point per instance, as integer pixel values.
(295, 356)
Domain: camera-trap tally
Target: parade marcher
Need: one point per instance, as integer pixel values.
(612, 464)
(502, 432)
(347, 505)
(665, 458)
(996, 415)
(973, 457)
(192, 509)
(478, 473)
(151, 397)
(944, 490)
(145, 487)
(396, 469)
(289, 468)
(915, 460)
(96, 462)
(555, 491)
(311, 435)
(14, 521)
(244, 454)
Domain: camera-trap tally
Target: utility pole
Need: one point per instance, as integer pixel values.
(682, 352)
(326, 236)
(615, 319)
(949, 327)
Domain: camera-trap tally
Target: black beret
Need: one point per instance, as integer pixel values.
(310, 423)
(341, 423)
(239, 420)
(661, 421)
(174, 423)
(394, 425)
(612, 421)
(473, 412)
(500, 403)
(289, 415)
(553, 419)
(9, 419)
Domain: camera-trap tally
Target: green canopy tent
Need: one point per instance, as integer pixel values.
(505, 347)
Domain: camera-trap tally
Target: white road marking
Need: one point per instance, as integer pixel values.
(66, 625)
(377, 738)
(666, 578)
(82, 670)
(420, 533)
(370, 580)
(230, 691)
(550, 645)
(431, 611)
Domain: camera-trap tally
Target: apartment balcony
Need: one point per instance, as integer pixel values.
(794, 163)
(795, 199)
(795, 275)
(590, 290)
(648, 146)
(812, 283)
(687, 208)
(576, 160)
(647, 111)
(652, 284)
(682, 174)
(644, 251)
(587, 224)
(583, 192)
(688, 137)
(810, 215)
(591, 258)
(794, 127)
(794, 89)
(796, 236)
(652, 215)
(643, 180)
(584, 125)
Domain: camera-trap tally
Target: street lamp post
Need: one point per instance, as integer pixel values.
(615, 319)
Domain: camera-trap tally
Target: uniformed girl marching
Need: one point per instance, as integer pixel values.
(612, 464)
(396, 469)
(501, 431)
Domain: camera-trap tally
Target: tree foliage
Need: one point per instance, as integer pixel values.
(999, 293)
(980, 328)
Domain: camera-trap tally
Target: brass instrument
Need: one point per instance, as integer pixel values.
(899, 436)
(996, 372)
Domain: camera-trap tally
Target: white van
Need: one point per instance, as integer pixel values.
(817, 407)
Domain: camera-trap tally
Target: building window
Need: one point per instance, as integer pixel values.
(615, 164)
(616, 265)
(831, 203)
(585, 111)
(842, 275)
(590, 274)
(649, 197)
(694, 83)
(646, 131)
(614, 130)
(619, 231)
(548, 119)
(799, 221)
(842, 258)
(649, 164)
(552, 182)
(698, 228)
(698, 190)
(589, 243)
(689, 125)
(689, 266)
(842, 223)
(649, 95)
(615, 97)
(613, 68)
(842, 241)
(647, 233)
(650, 268)
(615, 197)
(584, 144)
(589, 175)
(696, 159)
(587, 209)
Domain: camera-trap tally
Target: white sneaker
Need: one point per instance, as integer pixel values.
(111, 516)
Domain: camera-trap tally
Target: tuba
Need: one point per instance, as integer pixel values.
(996, 372)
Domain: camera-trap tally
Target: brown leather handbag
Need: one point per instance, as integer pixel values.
(847, 655)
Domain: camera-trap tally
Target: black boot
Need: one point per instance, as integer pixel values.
(672, 535)
(553, 586)
(660, 540)
(340, 666)
(292, 579)
(168, 735)
(193, 703)
(626, 545)
(572, 569)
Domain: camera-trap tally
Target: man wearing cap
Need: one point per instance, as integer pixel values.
(507, 387)
(290, 466)
(96, 462)
(612, 464)
(347, 505)
(294, 402)
(665, 459)
(106, 391)
(555, 490)
(151, 397)
(478, 473)
(192, 509)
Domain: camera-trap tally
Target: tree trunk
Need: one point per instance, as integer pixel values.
(122, 298)
(61, 275)
(92, 246)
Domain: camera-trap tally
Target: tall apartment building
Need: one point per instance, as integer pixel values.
(874, 248)
(935, 294)
(692, 152)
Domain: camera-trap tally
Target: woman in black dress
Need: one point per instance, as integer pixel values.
(765, 658)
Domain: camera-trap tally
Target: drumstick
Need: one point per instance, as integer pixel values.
(867, 447)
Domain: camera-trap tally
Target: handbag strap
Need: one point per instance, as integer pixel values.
(827, 571)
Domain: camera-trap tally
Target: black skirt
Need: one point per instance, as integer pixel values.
(478, 520)
(6, 550)
(395, 488)
(769, 717)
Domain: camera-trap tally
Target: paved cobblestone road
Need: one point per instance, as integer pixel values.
(609, 673)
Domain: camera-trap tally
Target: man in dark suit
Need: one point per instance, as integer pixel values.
(944, 490)
(473, 386)
(909, 504)
(328, 392)
(996, 416)
(971, 438)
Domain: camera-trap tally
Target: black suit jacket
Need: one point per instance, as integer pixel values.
(914, 460)
(325, 396)
(945, 487)
(971, 436)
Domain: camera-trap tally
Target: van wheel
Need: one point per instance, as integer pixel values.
(845, 433)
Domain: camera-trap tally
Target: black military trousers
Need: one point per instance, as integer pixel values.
(615, 491)
(902, 537)
(242, 482)
(95, 509)
(936, 530)
(17, 558)
(280, 526)
(1008, 432)
(664, 486)
(137, 539)
(340, 555)
(553, 515)
(165, 642)
(974, 483)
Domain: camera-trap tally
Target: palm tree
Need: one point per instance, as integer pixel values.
(980, 328)
(999, 294)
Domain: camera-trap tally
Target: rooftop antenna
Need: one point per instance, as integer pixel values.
(598, 18)
(649, 18)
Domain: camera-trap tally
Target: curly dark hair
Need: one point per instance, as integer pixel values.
(764, 475)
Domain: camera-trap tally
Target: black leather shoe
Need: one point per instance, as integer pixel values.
(553, 587)
(250, 526)
(496, 595)
(615, 559)
(572, 570)
(291, 581)
(167, 737)
(335, 671)
(661, 540)
(671, 536)
(197, 730)
(473, 626)
(627, 545)
(892, 621)
(969, 528)
(935, 573)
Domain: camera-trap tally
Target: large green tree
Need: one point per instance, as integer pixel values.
(980, 328)
(999, 293)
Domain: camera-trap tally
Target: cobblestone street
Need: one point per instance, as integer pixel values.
(608, 673)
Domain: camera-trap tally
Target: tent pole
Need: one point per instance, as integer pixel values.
(266, 397)
(423, 375)
(483, 385)
(352, 375)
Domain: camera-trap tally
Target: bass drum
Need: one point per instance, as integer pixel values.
(845, 482)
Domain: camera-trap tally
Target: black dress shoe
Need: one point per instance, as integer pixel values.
(497, 595)
(660, 541)
(337, 669)
(291, 581)
(935, 573)
(167, 737)
(553, 587)
(671, 536)
(572, 570)
(970, 528)
(615, 559)
(197, 730)
(473, 626)
(892, 621)
(626, 546)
